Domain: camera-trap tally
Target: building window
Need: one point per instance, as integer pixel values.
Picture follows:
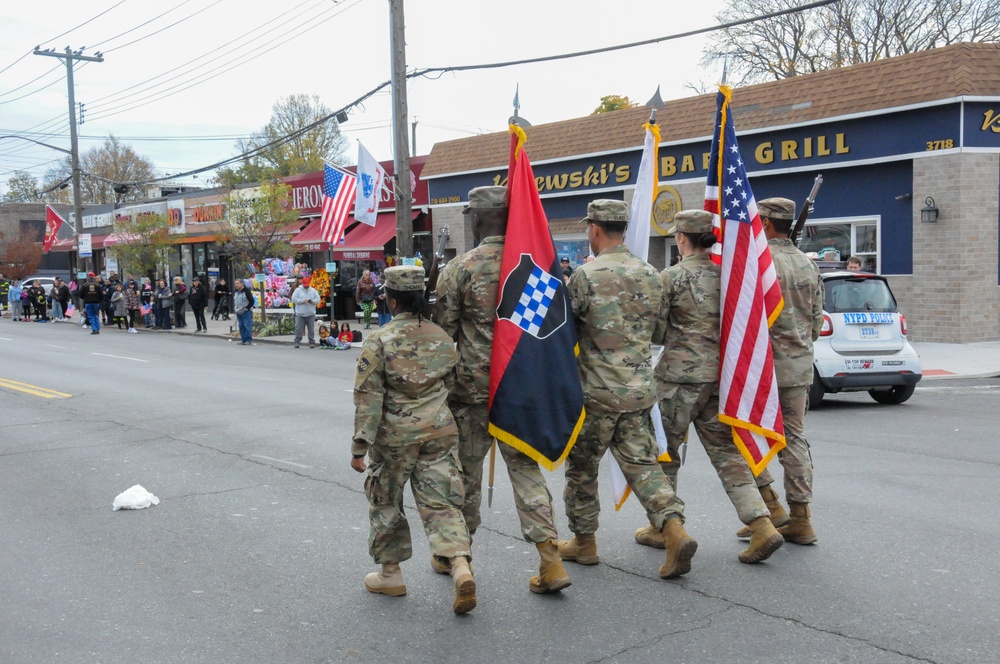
(836, 240)
(575, 250)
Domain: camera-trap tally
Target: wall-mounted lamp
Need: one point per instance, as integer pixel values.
(929, 213)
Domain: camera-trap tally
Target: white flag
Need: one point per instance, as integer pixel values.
(371, 182)
(637, 241)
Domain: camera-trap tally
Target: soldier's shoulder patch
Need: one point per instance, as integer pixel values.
(366, 365)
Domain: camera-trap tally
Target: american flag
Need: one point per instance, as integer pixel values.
(751, 300)
(338, 196)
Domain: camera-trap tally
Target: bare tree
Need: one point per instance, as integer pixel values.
(304, 153)
(844, 33)
(106, 167)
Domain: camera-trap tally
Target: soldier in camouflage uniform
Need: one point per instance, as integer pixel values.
(466, 310)
(687, 377)
(792, 336)
(402, 422)
(616, 302)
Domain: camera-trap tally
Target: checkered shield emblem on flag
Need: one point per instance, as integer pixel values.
(533, 299)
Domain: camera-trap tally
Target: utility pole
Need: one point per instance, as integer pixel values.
(404, 197)
(71, 56)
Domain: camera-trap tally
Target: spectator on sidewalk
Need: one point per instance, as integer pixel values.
(74, 294)
(180, 293)
(118, 306)
(63, 297)
(243, 303)
(54, 304)
(223, 297)
(165, 300)
(4, 294)
(92, 295)
(345, 338)
(305, 298)
(146, 296)
(39, 300)
(198, 299)
(364, 295)
(132, 305)
(381, 306)
(14, 296)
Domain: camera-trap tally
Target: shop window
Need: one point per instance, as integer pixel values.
(576, 250)
(836, 240)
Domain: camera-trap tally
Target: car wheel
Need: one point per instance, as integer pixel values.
(816, 391)
(897, 394)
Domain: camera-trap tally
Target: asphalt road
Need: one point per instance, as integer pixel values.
(258, 548)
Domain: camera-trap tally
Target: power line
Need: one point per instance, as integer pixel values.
(167, 27)
(208, 53)
(126, 105)
(24, 85)
(608, 49)
(133, 29)
(64, 34)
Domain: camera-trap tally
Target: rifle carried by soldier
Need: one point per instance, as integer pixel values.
(807, 208)
(432, 277)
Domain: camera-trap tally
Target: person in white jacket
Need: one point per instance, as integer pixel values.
(304, 299)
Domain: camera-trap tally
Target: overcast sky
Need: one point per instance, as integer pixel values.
(336, 50)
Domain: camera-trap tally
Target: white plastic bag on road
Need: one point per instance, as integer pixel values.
(135, 498)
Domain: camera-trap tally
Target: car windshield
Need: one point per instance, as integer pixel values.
(857, 294)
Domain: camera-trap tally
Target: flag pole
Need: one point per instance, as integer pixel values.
(493, 468)
(518, 121)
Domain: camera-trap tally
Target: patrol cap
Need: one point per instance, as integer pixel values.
(493, 198)
(607, 211)
(404, 278)
(693, 221)
(777, 208)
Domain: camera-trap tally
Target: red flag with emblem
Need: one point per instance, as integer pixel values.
(52, 224)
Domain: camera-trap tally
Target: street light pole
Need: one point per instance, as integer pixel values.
(70, 58)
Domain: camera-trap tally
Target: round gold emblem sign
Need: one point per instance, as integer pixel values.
(666, 205)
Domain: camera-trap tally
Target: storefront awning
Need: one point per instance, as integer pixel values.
(312, 235)
(367, 243)
(96, 242)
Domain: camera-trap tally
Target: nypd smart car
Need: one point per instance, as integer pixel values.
(863, 345)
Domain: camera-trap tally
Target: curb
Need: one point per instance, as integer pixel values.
(989, 374)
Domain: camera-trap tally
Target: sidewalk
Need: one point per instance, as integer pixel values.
(227, 329)
(978, 360)
(939, 360)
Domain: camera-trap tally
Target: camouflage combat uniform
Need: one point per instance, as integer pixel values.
(466, 310)
(402, 421)
(792, 336)
(616, 302)
(687, 378)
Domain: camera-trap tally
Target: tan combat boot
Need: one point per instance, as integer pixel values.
(799, 529)
(764, 541)
(680, 549)
(650, 536)
(581, 549)
(779, 516)
(465, 585)
(441, 565)
(552, 576)
(387, 582)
